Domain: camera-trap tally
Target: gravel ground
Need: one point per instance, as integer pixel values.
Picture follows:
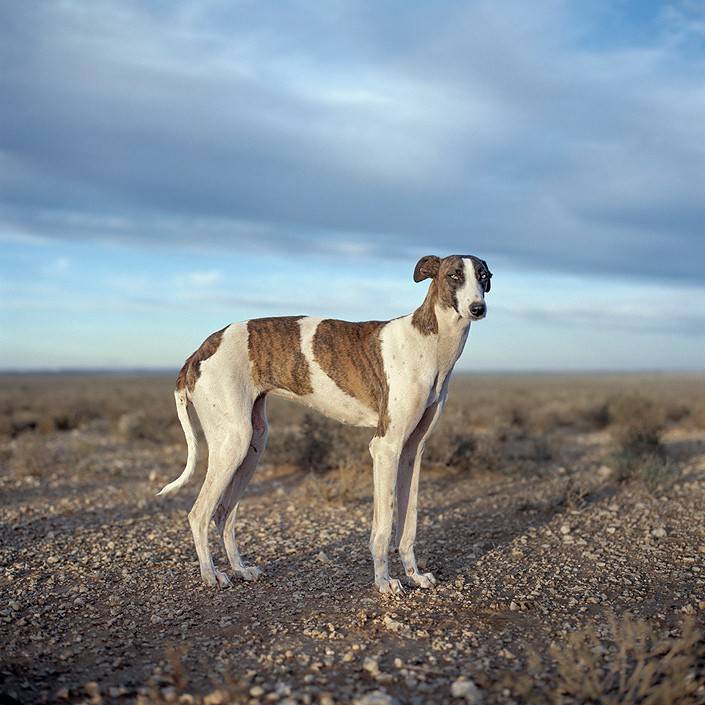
(100, 597)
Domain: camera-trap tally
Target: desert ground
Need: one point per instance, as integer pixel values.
(564, 517)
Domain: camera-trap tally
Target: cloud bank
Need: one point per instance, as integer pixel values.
(554, 138)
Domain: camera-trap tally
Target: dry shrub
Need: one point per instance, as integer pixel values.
(341, 485)
(517, 417)
(155, 428)
(466, 453)
(634, 665)
(635, 424)
(696, 417)
(509, 451)
(319, 445)
(33, 456)
(676, 412)
(575, 492)
(49, 419)
(556, 415)
(74, 416)
(655, 470)
(595, 417)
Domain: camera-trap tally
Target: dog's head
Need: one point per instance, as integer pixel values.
(460, 281)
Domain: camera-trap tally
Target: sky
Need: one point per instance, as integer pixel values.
(167, 168)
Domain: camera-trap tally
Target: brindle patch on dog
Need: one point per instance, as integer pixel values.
(274, 347)
(351, 355)
(481, 268)
(191, 371)
(443, 290)
(448, 285)
(424, 318)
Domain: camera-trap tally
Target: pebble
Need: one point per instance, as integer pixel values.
(604, 471)
(376, 697)
(659, 532)
(371, 666)
(465, 688)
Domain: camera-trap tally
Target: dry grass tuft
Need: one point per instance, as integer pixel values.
(629, 663)
(172, 687)
(633, 665)
(319, 445)
(635, 424)
(31, 455)
(152, 427)
(341, 485)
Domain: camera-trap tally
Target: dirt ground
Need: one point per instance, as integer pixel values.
(567, 552)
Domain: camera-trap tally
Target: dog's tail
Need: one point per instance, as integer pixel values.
(191, 441)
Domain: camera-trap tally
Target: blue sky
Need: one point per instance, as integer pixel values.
(166, 168)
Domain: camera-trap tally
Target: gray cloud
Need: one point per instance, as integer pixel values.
(502, 129)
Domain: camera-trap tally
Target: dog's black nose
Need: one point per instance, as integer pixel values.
(478, 309)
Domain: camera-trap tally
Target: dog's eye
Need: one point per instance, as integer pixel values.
(455, 277)
(483, 275)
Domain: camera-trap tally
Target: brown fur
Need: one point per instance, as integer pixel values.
(191, 370)
(424, 318)
(274, 346)
(442, 291)
(351, 355)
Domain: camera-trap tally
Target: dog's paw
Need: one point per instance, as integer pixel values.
(424, 580)
(222, 579)
(249, 573)
(209, 577)
(389, 586)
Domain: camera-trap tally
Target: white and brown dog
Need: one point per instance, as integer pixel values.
(389, 375)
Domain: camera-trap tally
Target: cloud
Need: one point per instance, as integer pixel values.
(523, 132)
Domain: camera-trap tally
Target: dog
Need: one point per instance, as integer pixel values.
(388, 375)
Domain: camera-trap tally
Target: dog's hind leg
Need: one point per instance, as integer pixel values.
(226, 513)
(228, 436)
(385, 463)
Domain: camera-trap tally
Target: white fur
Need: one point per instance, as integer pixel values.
(232, 414)
(472, 290)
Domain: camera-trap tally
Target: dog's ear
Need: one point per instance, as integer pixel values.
(426, 268)
(489, 277)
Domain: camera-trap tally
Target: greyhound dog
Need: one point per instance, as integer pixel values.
(389, 375)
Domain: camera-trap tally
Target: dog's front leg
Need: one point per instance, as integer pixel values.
(407, 494)
(385, 464)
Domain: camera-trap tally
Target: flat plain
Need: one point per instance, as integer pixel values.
(564, 517)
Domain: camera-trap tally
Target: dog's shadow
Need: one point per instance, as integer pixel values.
(452, 535)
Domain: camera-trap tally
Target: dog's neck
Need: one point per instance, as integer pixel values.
(434, 318)
(451, 325)
(444, 328)
(451, 337)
